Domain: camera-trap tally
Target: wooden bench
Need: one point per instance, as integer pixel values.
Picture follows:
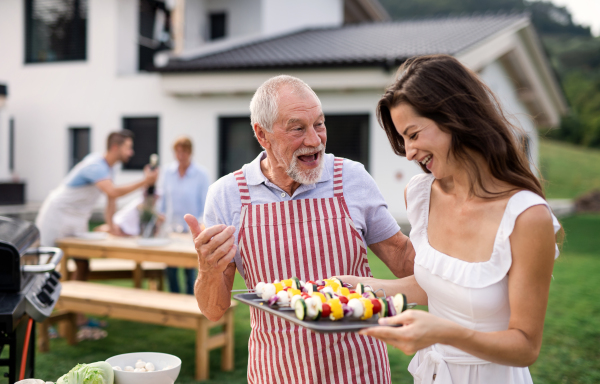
(163, 308)
(106, 269)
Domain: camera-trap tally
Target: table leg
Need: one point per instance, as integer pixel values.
(138, 275)
(227, 350)
(63, 267)
(202, 350)
(43, 338)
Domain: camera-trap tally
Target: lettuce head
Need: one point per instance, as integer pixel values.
(96, 373)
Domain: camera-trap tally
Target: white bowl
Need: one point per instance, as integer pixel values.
(160, 361)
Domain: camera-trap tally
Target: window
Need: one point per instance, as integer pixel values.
(218, 24)
(347, 136)
(237, 144)
(154, 32)
(11, 145)
(145, 142)
(55, 30)
(79, 145)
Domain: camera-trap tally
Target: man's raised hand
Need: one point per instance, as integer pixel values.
(214, 245)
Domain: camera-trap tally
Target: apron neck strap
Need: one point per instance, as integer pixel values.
(338, 187)
(243, 187)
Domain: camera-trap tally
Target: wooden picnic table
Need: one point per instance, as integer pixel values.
(179, 252)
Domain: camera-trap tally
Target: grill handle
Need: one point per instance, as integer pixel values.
(42, 268)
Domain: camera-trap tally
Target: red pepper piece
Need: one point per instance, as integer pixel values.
(352, 291)
(326, 310)
(343, 299)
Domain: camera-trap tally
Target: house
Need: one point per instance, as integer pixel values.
(190, 67)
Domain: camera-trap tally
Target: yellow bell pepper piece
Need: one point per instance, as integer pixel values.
(368, 309)
(354, 296)
(320, 296)
(336, 309)
(287, 283)
(343, 291)
(294, 292)
(335, 286)
(278, 287)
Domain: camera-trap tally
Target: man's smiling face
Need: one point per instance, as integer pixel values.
(299, 135)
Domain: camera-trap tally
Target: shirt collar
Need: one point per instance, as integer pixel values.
(254, 175)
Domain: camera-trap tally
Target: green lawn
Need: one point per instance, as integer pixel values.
(570, 170)
(570, 353)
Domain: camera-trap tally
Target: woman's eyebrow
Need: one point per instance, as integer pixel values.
(407, 128)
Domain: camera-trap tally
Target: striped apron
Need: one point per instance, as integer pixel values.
(311, 239)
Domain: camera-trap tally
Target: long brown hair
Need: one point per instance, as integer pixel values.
(440, 88)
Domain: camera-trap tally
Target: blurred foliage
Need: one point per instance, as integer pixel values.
(573, 52)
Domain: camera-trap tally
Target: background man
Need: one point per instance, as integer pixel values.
(296, 211)
(67, 210)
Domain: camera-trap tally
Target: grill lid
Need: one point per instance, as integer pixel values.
(16, 236)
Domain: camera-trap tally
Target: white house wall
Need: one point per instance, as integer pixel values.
(287, 15)
(243, 16)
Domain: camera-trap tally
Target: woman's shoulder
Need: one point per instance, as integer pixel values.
(528, 206)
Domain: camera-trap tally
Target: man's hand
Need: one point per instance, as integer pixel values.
(214, 245)
(150, 175)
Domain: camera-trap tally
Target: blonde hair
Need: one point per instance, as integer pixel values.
(184, 142)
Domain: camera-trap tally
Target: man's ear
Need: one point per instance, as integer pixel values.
(260, 134)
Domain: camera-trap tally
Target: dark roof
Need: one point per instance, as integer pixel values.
(373, 44)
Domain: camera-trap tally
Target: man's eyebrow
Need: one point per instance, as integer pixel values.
(407, 128)
(293, 120)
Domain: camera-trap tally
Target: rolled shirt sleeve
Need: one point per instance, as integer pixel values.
(366, 204)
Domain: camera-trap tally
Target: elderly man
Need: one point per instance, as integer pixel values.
(296, 211)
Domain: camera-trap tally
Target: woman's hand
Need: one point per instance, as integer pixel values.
(418, 330)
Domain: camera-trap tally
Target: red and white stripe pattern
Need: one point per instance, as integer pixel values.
(312, 239)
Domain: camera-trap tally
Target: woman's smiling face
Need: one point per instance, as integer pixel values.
(424, 141)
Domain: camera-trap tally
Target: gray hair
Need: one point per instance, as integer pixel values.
(264, 106)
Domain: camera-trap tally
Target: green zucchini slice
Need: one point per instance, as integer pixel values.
(300, 309)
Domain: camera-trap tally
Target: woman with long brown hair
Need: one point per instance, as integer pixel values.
(483, 232)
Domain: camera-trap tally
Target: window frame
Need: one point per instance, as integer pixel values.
(72, 158)
(124, 125)
(28, 37)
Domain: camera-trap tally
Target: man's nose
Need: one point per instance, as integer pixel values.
(312, 139)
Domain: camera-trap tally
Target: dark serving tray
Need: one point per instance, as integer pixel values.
(321, 325)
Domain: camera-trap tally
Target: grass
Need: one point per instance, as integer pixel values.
(570, 170)
(570, 352)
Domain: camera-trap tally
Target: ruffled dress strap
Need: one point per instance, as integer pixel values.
(518, 203)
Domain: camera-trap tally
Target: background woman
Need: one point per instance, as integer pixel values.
(483, 233)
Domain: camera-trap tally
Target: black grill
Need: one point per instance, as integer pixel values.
(29, 288)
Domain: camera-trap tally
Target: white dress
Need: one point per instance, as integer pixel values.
(473, 295)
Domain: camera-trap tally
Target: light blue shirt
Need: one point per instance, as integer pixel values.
(182, 195)
(367, 207)
(90, 170)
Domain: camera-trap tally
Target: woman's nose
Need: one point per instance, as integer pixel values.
(411, 152)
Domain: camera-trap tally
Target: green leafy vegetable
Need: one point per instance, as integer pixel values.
(96, 373)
